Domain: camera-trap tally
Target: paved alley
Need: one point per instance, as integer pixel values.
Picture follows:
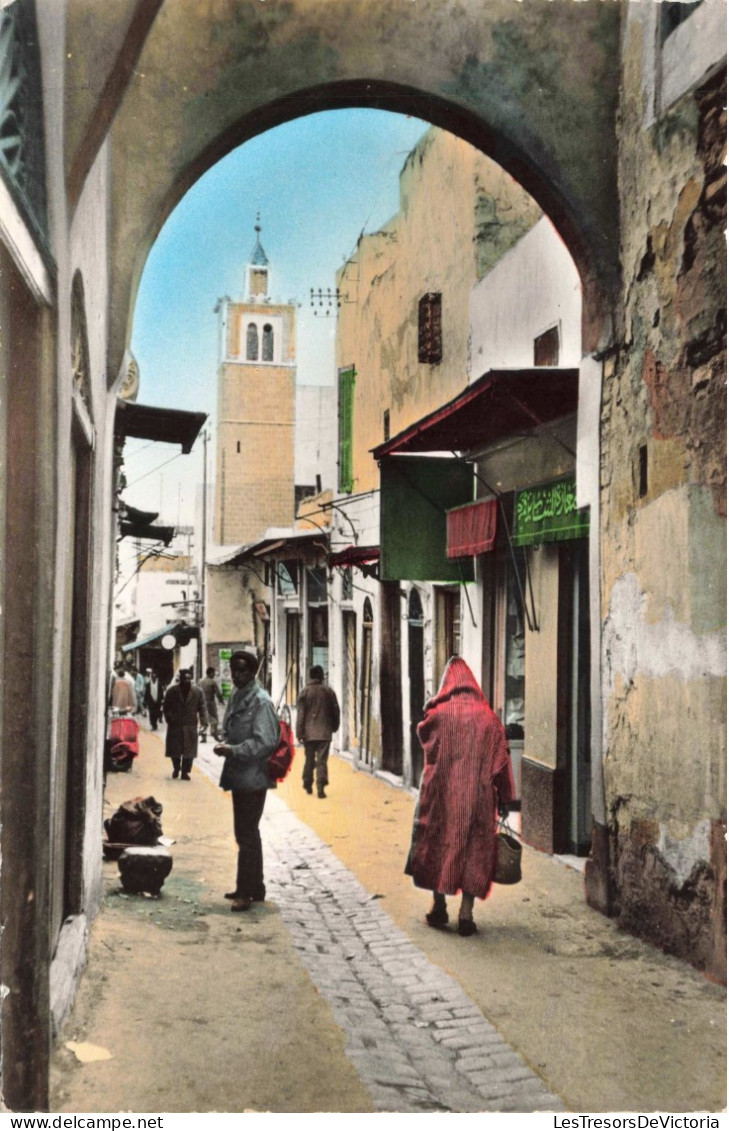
(335, 996)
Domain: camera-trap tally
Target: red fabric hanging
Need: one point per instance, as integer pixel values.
(471, 530)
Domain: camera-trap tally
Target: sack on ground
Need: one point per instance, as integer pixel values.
(282, 758)
(508, 856)
(135, 822)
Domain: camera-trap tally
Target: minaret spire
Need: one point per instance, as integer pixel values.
(258, 268)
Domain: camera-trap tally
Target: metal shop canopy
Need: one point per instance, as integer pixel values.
(354, 556)
(153, 636)
(501, 403)
(167, 425)
(140, 525)
(288, 542)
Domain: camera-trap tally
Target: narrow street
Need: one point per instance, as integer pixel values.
(335, 996)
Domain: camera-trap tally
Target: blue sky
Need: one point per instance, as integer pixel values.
(317, 182)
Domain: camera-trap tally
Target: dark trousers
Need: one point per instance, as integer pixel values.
(247, 812)
(155, 710)
(182, 763)
(316, 754)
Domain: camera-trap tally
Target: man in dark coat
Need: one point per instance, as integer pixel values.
(317, 717)
(184, 705)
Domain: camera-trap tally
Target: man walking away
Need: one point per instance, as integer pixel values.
(184, 705)
(213, 695)
(317, 717)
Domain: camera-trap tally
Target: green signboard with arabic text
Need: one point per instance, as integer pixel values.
(549, 514)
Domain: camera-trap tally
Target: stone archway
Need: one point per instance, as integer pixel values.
(191, 82)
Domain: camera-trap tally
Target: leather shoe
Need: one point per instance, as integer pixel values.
(438, 917)
(467, 927)
(241, 904)
(320, 792)
(308, 789)
(175, 773)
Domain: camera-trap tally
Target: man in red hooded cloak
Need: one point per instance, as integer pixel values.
(466, 779)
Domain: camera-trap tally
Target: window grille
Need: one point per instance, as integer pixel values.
(430, 335)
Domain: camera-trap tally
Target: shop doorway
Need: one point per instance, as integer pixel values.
(416, 676)
(576, 672)
(366, 684)
(350, 739)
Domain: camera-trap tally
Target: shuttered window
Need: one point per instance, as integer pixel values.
(346, 429)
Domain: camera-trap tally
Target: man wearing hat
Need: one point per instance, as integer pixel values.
(251, 733)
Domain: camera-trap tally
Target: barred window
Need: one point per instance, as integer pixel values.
(252, 342)
(430, 335)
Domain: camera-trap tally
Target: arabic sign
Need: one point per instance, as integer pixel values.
(549, 514)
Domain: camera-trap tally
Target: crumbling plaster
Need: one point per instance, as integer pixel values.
(663, 527)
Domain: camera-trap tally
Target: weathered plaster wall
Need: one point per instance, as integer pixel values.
(230, 593)
(534, 287)
(434, 243)
(315, 442)
(664, 517)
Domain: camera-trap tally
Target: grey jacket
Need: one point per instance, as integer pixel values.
(251, 727)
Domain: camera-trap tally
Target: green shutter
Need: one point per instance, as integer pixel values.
(415, 494)
(346, 429)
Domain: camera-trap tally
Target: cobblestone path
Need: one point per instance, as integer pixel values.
(417, 1041)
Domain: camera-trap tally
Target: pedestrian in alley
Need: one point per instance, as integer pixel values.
(154, 697)
(184, 711)
(317, 718)
(251, 733)
(466, 778)
(122, 696)
(139, 690)
(213, 695)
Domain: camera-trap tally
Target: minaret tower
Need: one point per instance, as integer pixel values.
(256, 404)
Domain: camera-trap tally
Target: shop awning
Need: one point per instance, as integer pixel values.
(354, 556)
(471, 529)
(166, 425)
(288, 544)
(501, 403)
(153, 636)
(144, 533)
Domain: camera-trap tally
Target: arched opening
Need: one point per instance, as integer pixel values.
(430, 333)
(252, 342)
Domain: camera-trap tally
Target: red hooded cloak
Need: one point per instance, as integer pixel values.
(466, 775)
